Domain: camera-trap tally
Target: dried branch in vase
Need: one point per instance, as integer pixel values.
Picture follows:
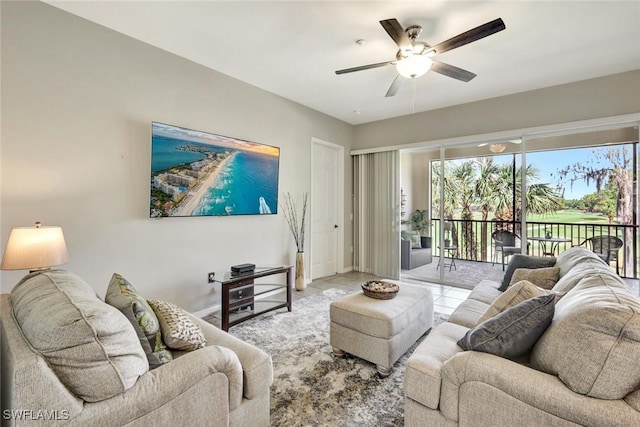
(296, 223)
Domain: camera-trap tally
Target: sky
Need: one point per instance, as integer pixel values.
(549, 163)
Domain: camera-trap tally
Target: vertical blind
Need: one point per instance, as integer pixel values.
(377, 213)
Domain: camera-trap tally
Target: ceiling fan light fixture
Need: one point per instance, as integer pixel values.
(413, 66)
(497, 148)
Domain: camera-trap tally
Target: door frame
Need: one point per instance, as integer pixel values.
(340, 203)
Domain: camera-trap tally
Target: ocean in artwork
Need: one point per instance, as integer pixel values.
(190, 177)
(247, 185)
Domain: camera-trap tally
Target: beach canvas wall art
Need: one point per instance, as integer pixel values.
(195, 173)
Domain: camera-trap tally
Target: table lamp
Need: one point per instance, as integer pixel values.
(34, 248)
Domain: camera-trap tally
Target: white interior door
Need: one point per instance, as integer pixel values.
(326, 208)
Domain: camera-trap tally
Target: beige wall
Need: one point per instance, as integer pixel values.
(77, 105)
(589, 99)
(414, 180)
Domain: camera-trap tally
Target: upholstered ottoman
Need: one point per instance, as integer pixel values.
(380, 331)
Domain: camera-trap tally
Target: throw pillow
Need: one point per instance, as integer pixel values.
(546, 278)
(513, 296)
(90, 346)
(178, 331)
(415, 240)
(524, 261)
(514, 331)
(122, 295)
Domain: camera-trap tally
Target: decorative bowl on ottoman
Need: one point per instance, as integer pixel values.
(380, 290)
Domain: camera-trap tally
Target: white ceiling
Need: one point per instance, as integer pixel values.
(293, 48)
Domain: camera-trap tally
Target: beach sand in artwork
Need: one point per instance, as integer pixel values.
(197, 193)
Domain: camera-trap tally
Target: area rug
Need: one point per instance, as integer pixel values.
(311, 387)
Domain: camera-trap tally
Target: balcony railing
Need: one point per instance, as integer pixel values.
(472, 238)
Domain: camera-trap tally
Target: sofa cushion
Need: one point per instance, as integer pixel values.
(486, 291)
(524, 261)
(580, 271)
(514, 331)
(468, 312)
(90, 345)
(633, 400)
(593, 343)
(545, 277)
(423, 373)
(178, 331)
(122, 295)
(513, 296)
(575, 255)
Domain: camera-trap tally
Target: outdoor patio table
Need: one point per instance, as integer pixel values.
(554, 242)
(451, 251)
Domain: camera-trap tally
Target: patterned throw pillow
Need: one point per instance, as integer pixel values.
(178, 331)
(122, 295)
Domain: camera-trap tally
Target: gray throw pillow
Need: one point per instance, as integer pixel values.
(524, 261)
(514, 331)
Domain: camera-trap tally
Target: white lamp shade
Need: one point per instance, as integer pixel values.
(413, 66)
(34, 248)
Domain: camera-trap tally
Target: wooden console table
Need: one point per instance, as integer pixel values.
(240, 294)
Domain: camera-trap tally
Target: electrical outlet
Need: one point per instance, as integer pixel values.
(211, 277)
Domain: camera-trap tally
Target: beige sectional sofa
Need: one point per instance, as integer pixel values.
(583, 370)
(68, 358)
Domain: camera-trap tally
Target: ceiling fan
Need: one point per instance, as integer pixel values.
(413, 59)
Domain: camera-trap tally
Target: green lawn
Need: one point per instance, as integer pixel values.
(572, 216)
(569, 216)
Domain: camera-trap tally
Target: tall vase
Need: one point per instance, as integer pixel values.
(300, 283)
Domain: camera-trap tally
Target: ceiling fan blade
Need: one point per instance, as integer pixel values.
(395, 86)
(397, 33)
(365, 67)
(452, 71)
(472, 35)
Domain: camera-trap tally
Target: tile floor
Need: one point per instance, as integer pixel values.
(445, 298)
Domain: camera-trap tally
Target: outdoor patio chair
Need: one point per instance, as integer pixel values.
(606, 247)
(505, 242)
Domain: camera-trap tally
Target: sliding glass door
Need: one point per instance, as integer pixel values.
(537, 194)
(595, 176)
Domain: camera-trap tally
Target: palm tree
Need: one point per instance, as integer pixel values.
(450, 202)
(465, 177)
(490, 188)
(540, 198)
(486, 192)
